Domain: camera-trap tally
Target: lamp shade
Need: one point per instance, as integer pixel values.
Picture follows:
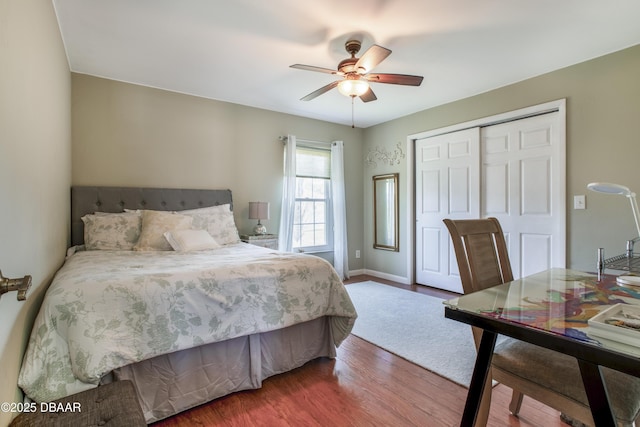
(258, 210)
(353, 87)
(606, 187)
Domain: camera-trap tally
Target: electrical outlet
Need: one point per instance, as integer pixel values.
(357, 253)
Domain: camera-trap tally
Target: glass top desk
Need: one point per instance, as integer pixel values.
(551, 309)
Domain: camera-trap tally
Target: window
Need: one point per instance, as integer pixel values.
(312, 222)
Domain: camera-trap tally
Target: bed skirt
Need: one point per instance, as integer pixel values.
(175, 382)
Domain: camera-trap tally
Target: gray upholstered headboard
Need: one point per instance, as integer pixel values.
(85, 200)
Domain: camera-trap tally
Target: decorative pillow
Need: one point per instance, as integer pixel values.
(190, 240)
(155, 224)
(117, 231)
(217, 220)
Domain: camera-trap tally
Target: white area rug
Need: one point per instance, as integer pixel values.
(413, 326)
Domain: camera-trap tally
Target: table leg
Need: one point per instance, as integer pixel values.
(596, 394)
(478, 380)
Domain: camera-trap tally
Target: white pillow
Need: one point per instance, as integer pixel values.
(111, 231)
(190, 240)
(217, 220)
(155, 224)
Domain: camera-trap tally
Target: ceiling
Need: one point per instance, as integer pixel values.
(239, 51)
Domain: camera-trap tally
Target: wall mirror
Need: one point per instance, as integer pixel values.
(385, 212)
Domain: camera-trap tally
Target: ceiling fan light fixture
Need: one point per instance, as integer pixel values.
(353, 87)
(356, 74)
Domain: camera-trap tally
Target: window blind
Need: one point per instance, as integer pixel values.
(313, 163)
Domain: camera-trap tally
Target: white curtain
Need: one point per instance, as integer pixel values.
(340, 247)
(285, 234)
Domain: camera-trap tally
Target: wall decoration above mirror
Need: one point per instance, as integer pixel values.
(385, 212)
(384, 156)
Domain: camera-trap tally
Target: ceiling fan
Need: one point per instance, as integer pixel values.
(356, 75)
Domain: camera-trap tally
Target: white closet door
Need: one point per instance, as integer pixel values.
(514, 171)
(447, 186)
(523, 186)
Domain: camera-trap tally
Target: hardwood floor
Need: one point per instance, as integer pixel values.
(363, 386)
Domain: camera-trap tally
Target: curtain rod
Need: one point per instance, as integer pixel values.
(308, 141)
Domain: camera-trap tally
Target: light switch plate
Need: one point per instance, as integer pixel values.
(579, 202)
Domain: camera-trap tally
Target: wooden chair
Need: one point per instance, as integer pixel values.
(547, 376)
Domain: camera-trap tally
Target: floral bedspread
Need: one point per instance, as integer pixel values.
(107, 309)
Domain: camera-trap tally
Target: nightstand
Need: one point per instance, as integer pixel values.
(265, 240)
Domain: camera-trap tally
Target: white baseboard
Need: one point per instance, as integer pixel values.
(356, 272)
(387, 276)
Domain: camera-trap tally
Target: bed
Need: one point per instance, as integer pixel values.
(188, 316)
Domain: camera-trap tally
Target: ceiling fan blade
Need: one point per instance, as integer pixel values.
(372, 57)
(368, 96)
(317, 69)
(320, 91)
(395, 79)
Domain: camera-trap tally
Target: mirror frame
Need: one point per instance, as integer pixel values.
(392, 209)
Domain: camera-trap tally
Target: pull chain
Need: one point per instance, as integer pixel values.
(352, 114)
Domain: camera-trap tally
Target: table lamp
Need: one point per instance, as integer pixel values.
(259, 211)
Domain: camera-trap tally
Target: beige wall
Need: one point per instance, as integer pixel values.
(603, 107)
(131, 135)
(35, 169)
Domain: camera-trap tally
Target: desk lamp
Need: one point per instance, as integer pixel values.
(608, 188)
(605, 187)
